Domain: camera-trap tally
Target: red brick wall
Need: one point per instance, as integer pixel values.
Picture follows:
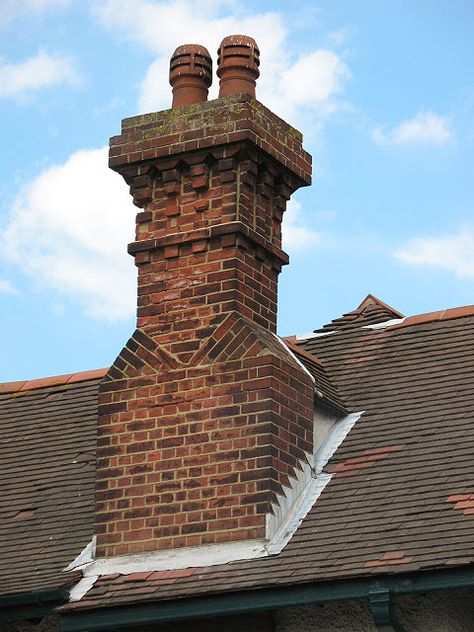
(203, 415)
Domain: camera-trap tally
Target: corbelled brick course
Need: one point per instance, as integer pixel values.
(204, 415)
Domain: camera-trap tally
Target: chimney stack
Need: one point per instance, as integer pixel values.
(204, 417)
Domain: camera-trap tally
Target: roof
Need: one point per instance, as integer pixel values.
(47, 469)
(371, 310)
(55, 380)
(401, 496)
(326, 393)
(402, 493)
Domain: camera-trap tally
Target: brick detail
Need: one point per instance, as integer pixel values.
(204, 415)
(140, 356)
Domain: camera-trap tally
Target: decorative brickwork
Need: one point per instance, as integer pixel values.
(204, 415)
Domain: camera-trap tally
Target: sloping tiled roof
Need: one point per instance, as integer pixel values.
(371, 310)
(325, 390)
(47, 469)
(55, 380)
(402, 493)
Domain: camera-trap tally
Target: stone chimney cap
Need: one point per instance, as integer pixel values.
(238, 65)
(190, 74)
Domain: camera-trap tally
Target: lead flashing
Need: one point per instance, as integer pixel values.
(86, 556)
(310, 335)
(305, 488)
(82, 587)
(299, 510)
(333, 440)
(295, 358)
(385, 324)
(186, 557)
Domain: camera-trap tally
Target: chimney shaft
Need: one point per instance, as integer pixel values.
(204, 416)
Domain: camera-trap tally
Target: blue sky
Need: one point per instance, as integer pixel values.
(382, 91)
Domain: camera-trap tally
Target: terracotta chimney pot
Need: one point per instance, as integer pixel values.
(237, 65)
(190, 74)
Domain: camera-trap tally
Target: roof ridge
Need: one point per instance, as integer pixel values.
(429, 317)
(54, 380)
(371, 299)
(370, 309)
(290, 342)
(449, 313)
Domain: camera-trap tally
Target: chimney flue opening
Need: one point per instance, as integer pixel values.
(190, 74)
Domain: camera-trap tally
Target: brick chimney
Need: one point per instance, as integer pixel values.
(204, 417)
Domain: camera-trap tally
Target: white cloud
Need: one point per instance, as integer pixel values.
(7, 288)
(38, 6)
(312, 81)
(325, 216)
(340, 37)
(106, 108)
(42, 71)
(425, 129)
(288, 84)
(296, 235)
(69, 229)
(11, 10)
(453, 252)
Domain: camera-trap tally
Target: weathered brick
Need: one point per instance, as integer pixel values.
(203, 415)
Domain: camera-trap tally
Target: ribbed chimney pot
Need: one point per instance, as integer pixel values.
(190, 74)
(237, 65)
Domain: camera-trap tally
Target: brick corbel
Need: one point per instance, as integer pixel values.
(208, 234)
(140, 179)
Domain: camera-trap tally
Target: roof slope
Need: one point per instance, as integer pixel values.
(47, 469)
(371, 310)
(324, 388)
(402, 493)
